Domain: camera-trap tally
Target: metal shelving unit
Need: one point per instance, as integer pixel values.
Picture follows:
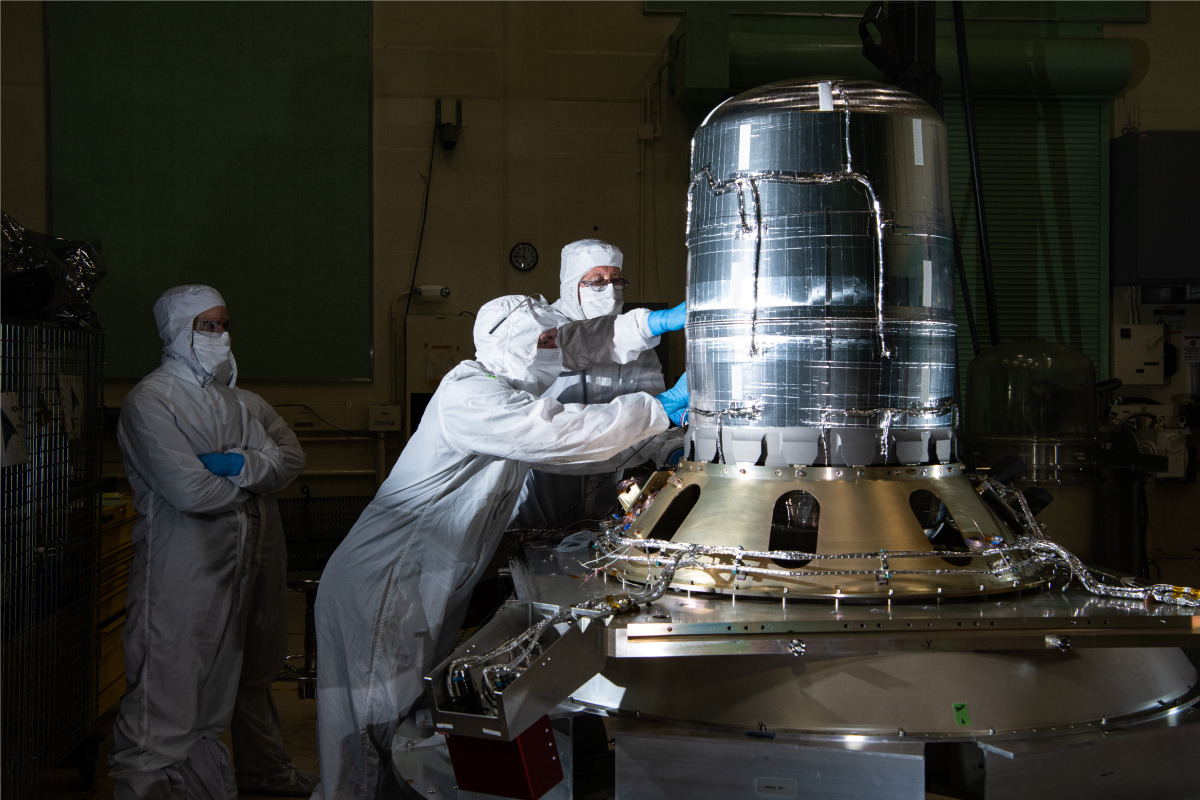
(50, 546)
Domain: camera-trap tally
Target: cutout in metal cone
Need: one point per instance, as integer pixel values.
(863, 510)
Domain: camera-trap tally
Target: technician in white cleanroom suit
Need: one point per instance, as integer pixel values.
(206, 621)
(592, 286)
(395, 592)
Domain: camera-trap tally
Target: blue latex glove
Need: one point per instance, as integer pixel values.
(675, 401)
(671, 319)
(224, 464)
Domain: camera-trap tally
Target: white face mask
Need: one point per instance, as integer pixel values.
(601, 304)
(546, 366)
(213, 352)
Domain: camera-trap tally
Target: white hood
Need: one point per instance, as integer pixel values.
(578, 258)
(174, 312)
(506, 334)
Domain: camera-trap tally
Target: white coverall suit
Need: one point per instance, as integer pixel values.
(395, 592)
(206, 616)
(558, 500)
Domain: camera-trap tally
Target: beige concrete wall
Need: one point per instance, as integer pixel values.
(549, 154)
(23, 114)
(549, 151)
(1162, 95)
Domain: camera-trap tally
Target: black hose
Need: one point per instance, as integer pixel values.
(416, 263)
(985, 252)
(962, 284)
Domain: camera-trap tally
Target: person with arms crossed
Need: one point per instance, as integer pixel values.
(206, 622)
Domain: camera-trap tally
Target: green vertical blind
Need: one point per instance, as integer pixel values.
(227, 144)
(1045, 191)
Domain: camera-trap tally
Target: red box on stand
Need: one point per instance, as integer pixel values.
(524, 769)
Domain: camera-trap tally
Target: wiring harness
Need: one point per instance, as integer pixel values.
(524, 648)
(504, 664)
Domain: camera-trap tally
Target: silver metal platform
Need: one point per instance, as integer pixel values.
(699, 624)
(1037, 661)
(655, 762)
(1051, 682)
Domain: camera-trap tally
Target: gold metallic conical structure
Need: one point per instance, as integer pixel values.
(861, 510)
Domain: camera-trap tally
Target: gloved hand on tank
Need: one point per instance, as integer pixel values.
(675, 401)
(224, 464)
(671, 319)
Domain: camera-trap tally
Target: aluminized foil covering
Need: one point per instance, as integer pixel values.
(820, 261)
(49, 279)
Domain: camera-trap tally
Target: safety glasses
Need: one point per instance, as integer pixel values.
(211, 325)
(598, 286)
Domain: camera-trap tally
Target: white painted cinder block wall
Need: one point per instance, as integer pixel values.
(549, 154)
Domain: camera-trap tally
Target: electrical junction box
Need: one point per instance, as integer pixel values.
(1137, 352)
(388, 419)
(1152, 210)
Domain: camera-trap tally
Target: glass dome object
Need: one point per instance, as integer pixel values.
(1034, 399)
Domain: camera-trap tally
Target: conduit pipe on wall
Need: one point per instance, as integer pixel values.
(397, 378)
(985, 249)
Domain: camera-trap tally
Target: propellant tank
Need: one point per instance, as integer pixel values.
(821, 354)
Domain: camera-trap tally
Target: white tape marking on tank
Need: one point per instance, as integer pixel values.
(927, 284)
(925, 385)
(918, 145)
(736, 380)
(825, 95)
(744, 148)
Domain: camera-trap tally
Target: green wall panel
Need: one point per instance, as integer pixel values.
(227, 144)
(1044, 168)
